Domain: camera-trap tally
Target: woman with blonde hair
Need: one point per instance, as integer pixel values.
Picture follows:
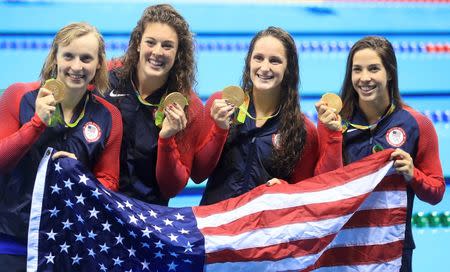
(71, 120)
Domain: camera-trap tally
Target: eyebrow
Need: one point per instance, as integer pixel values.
(153, 38)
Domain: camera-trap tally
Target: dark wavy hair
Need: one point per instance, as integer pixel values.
(182, 75)
(385, 51)
(291, 126)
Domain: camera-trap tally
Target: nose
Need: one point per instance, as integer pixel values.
(157, 50)
(265, 65)
(77, 64)
(365, 76)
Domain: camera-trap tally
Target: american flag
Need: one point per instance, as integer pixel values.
(351, 219)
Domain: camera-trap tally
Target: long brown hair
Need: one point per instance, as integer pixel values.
(386, 52)
(182, 75)
(291, 127)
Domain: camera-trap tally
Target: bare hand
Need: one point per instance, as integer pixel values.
(222, 112)
(45, 105)
(274, 181)
(328, 116)
(403, 163)
(175, 121)
(63, 154)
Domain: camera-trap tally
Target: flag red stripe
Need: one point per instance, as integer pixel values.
(359, 255)
(270, 253)
(377, 218)
(280, 217)
(324, 181)
(391, 183)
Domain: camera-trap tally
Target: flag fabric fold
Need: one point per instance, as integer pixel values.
(351, 219)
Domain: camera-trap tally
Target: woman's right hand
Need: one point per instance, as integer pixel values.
(45, 105)
(328, 116)
(222, 112)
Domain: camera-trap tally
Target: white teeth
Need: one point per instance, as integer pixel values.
(265, 77)
(76, 76)
(156, 63)
(367, 88)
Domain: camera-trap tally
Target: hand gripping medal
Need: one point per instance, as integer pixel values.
(58, 89)
(171, 98)
(175, 97)
(234, 94)
(333, 101)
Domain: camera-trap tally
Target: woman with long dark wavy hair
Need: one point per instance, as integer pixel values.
(375, 118)
(159, 143)
(275, 140)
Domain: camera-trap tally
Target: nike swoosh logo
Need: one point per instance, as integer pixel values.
(114, 93)
(352, 129)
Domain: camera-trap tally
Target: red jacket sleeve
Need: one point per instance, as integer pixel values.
(107, 168)
(428, 181)
(330, 146)
(213, 139)
(16, 140)
(176, 153)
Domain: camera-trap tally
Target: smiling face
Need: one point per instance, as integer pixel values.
(268, 64)
(157, 51)
(78, 62)
(370, 78)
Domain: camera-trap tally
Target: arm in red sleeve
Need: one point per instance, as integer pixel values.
(211, 142)
(175, 154)
(15, 141)
(330, 149)
(107, 168)
(428, 181)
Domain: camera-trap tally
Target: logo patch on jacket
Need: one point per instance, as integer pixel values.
(91, 132)
(396, 136)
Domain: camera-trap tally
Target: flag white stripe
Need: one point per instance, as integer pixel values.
(369, 236)
(385, 200)
(266, 202)
(296, 264)
(288, 264)
(35, 212)
(347, 238)
(392, 266)
(276, 235)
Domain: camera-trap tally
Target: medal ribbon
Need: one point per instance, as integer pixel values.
(243, 112)
(57, 116)
(347, 124)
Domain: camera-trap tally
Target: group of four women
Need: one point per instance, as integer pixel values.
(122, 133)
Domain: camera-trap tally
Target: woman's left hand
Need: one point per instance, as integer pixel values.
(63, 154)
(403, 163)
(275, 181)
(175, 121)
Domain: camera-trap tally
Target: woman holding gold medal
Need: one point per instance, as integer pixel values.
(375, 118)
(261, 134)
(151, 85)
(61, 114)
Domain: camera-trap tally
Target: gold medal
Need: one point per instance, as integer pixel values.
(333, 101)
(175, 97)
(57, 87)
(234, 94)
